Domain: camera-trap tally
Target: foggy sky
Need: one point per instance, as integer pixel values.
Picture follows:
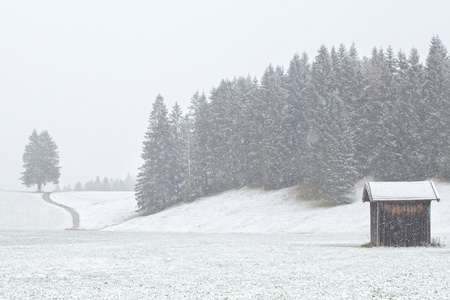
(89, 71)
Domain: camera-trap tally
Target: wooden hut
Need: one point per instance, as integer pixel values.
(400, 212)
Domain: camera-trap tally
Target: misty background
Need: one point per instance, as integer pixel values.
(89, 71)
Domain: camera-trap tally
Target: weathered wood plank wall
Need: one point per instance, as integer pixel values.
(400, 223)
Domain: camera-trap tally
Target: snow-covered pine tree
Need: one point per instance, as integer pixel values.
(408, 118)
(319, 91)
(342, 125)
(41, 161)
(129, 183)
(437, 113)
(256, 110)
(185, 147)
(397, 121)
(396, 124)
(275, 152)
(199, 150)
(118, 185)
(235, 144)
(155, 188)
(246, 136)
(31, 158)
(381, 107)
(221, 142)
(297, 80)
(331, 166)
(177, 162)
(78, 187)
(339, 174)
(351, 89)
(106, 184)
(97, 184)
(89, 186)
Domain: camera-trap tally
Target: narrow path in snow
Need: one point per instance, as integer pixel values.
(73, 212)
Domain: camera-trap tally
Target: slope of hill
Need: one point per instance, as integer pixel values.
(237, 211)
(253, 211)
(25, 211)
(256, 211)
(98, 210)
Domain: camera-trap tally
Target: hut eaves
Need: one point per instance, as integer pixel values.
(400, 191)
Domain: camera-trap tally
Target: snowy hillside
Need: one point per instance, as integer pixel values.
(237, 211)
(98, 210)
(253, 211)
(23, 211)
(256, 211)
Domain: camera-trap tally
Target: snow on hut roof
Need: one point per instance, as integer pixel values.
(399, 191)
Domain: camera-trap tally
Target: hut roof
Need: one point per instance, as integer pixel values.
(399, 191)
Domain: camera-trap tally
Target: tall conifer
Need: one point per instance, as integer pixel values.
(155, 188)
(437, 111)
(41, 161)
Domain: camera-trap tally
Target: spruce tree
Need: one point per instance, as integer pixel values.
(185, 152)
(155, 188)
(97, 184)
(199, 147)
(352, 90)
(437, 113)
(78, 187)
(297, 80)
(276, 154)
(178, 160)
(331, 166)
(129, 183)
(223, 118)
(381, 110)
(106, 185)
(408, 119)
(343, 103)
(41, 161)
(247, 135)
(256, 132)
(319, 92)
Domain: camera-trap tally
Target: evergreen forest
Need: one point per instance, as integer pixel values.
(107, 184)
(325, 123)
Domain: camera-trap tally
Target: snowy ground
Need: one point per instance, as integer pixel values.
(22, 210)
(253, 211)
(244, 244)
(141, 265)
(98, 210)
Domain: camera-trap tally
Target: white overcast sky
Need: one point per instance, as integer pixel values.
(89, 71)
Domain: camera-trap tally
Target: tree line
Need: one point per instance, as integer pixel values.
(105, 184)
(325, 123)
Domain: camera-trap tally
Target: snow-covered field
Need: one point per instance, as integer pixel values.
(28, 211)
(130, 265)
(244, 244)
